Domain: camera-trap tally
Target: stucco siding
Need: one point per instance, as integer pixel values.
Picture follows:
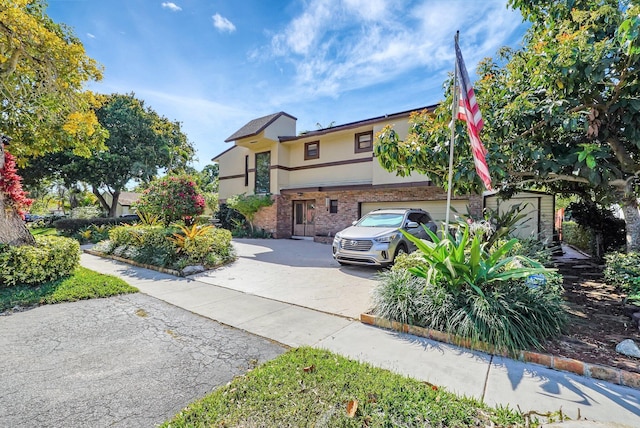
(282, 126)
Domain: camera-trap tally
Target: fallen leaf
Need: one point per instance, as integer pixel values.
(352, 408)
(309, 369)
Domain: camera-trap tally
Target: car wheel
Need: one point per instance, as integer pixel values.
(402, 249)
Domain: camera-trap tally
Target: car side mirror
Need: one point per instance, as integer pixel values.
(412, 225)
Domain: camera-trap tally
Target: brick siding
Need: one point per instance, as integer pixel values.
(278, 218)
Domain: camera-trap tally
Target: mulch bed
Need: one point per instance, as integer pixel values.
(599, 318)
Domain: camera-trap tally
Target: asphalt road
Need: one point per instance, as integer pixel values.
(126, 361)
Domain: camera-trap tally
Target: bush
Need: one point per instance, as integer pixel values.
(576, 235)
(504, 299)
(398, 296)
(607, 232)
(623, 270)
(405, 261)
(72, 226)
(170, 247)
(52, 257)
(172, 198)
(229, 217)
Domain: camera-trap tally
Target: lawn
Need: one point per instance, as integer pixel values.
(83, 284)
(44, 231)
(311, 387)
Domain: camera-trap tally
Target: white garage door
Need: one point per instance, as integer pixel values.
(437, 209)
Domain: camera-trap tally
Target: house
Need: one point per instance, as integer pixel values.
(125, 202)
(321, 181)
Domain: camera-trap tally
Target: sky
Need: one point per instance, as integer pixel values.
(214, 65)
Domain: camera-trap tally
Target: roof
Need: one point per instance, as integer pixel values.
(256, 126)
(128, 198)
(357, 124)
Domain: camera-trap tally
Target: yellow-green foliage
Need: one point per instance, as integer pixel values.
(51, 258)
(209, 248)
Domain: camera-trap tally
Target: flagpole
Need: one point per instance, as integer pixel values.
(454, 107)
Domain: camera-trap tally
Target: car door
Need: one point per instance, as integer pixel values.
(419, 218)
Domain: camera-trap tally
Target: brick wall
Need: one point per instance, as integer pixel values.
(278, 218)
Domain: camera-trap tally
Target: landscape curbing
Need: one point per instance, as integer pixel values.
(134, 263)
(594, 371)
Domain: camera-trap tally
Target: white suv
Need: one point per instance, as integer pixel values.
(376, 240)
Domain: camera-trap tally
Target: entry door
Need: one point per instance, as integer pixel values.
(303, 218)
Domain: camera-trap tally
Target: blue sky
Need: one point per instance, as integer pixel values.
(213, 65)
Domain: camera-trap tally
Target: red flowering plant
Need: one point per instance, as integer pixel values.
(172, 198)
(11, 185)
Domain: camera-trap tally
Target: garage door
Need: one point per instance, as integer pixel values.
(437, 209)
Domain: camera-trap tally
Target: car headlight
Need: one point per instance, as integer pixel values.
(385, 238)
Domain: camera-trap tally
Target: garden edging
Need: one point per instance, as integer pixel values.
(131, 262)
(594, 371)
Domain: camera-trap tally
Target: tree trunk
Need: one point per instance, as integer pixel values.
(13, 230)
(632, 220)
(114, 203)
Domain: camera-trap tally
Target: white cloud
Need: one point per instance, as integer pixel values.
(91, 36)
(223, 24)
(336, 46)
(171, 6)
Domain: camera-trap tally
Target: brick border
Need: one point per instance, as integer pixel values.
(594, 371)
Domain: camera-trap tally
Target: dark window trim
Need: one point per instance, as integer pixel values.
(307, 156)
(246, 170)
(333, 203)
(357, 148)
(255, 182)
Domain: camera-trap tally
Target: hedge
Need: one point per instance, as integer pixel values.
(52, 257)
(71, 226)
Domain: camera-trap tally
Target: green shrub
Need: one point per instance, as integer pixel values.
(576, 235)
(88, 212)
(398, 296)
(210, 249)
(533, 248)
(52, 257)
(172, 198)
(71, 226)
(506, 300)
(405, 261)
(623, 270)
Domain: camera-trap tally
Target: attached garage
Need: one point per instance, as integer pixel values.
(437, 208)
(539, 208)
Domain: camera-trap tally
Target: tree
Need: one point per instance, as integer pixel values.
(172, 198)
(140, 143)
(562, 113)
(43, 69)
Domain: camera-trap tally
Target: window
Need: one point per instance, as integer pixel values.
(364, 142)
(333, 206)
(312, 150)
(246, 170)
(263, 172)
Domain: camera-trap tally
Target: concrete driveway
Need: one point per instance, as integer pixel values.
(299, 272)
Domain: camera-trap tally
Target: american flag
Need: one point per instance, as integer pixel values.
(469, 111)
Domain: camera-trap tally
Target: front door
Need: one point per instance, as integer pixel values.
(303, 218)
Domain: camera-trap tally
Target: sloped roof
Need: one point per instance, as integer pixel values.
(128, 198)
(256, 126)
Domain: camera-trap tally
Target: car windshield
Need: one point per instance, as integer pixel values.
(381, 220)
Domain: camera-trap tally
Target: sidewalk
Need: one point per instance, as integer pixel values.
(494, 380)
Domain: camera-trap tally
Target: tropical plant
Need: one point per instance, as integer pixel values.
(459, 262)
(399, 296)
(189, 233)
(249, 205)
(11, 186)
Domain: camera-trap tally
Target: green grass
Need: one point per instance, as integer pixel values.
(310, 387)
(42, 231)
(83, 284)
